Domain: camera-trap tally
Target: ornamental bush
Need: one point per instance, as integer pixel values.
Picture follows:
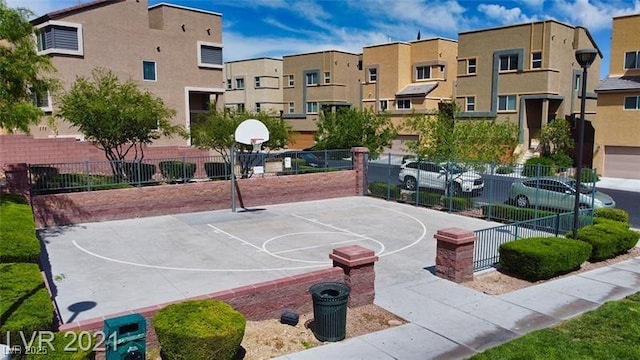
(540, 166)
(382, 189)
(426, 198)
(613, 214)
(177, 170)
(217, 170)
(138, 172)
(67, 346)
(199, 329)
(456, 203)
(543, 257)
(513, 213)
(608, 239)
(18, 241)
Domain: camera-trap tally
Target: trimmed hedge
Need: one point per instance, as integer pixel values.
(74, 182)
(608, 239)
(427, 198)
(25, 304)
(456, 203)
(540, 166)
(504, 169)
(138, 171)
(177, 170)
(513, 213)
(217, 170)
(543, 257)
(199, 329)
(18, 241)
(62, 347)
(613, 214)
(382, 189)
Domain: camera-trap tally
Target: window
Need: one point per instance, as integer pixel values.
(240, 107)
(471, 66)
(257, 107)
(632, 60)
(373, 75)
(632, 103)
(59, 37)
(256, 81)
(312, 78)
(240, 83)
(383, 105)
(508, 62)
(210, 55)
(327, 77)
(312, 108)
(423, 72)
(536, 60)
(403, 104)
(228, 84)
(470, 103)
(289, 80)
(149, 70)
(507, 103)
(291, 108)
(577, 84)
(41, 100)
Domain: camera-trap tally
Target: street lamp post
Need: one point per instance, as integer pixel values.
(585, 58)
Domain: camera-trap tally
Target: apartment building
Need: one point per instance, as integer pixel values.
(401, 78)
(314, 82)
(617, 125)
(254, 85)
(173, 51)
(526, 74)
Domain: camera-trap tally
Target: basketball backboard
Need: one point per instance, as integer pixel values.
(252, 132)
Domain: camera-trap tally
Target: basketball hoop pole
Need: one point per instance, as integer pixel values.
(233, 177)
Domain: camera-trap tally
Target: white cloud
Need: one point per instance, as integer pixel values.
(503, 15)
(595, 15)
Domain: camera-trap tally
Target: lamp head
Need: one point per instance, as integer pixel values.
(586, 57)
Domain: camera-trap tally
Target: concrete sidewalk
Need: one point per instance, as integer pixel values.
(619, 184)
(450, 321)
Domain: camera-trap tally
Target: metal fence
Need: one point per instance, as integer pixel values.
(100, 175)
(487, 245)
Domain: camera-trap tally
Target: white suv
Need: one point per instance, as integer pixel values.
(435, 176)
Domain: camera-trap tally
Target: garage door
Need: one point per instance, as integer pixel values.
(622, 162)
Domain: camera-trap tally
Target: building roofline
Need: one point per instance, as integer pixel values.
(409, 42)
(72, 10)
(627, 15)
(322, 51)
(593, 41)
(185, 8)
(253, 59)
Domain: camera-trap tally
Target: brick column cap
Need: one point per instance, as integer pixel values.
(360, 149)
(353, 255)
(455, 236)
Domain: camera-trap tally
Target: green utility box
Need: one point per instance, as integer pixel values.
(330, 310)
(125, 337)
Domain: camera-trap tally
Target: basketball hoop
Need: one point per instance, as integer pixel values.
(257, 144)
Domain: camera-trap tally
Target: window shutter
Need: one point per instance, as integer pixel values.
(210, 55)
(64, 38)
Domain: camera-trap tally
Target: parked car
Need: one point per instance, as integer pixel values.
(310, 159)
(414, 174)
(556, 193)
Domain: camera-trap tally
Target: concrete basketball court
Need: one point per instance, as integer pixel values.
(104, 268)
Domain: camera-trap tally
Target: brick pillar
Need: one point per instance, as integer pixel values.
(361, 165)
(454, 254)
(17, 178)
(357, 263)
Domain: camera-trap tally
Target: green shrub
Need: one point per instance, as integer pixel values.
(427, 198)
(456, 203)
(66, 346)
(25, 304)
(540, 166)
(504, 169)
(199, 329)
(138, 172)
(562, 160)
(177, 170)
(613, 214)
(217, 170)
(608, 239)
(513, 213)
(588, 176)
(38, 172)
(543, 258)
(77, 182)
(382, 189)
(18, 241)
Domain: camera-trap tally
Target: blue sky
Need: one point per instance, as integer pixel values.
(273, 28)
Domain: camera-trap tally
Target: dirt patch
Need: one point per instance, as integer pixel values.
(269, 338)
(496, 282)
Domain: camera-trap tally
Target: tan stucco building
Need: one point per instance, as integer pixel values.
(526, 74)
(314, 82)
(617, 125)
(173, 51)
(254, 85)
(406, 77)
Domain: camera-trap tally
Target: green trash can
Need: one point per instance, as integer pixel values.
(125, 337)
(330, 310)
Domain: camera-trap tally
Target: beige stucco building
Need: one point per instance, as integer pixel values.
(617, 125)
(526, 74)
(314, 82)
(406, 77)
(254, 85)
(173, 51)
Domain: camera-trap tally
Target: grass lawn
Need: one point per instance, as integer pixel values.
(610, 332)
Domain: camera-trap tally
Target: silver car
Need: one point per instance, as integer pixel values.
(437, 176)
(556, 193)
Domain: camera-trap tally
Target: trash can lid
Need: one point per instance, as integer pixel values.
(330, 289)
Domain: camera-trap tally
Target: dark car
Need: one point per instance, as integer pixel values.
(310, 159)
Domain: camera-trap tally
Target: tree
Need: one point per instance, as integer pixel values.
(349, 127)
(555, 137)
(216, 131)
(24, 75)
(118, 118)
(445, 138)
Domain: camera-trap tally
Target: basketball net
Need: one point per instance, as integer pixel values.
(257, 144)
